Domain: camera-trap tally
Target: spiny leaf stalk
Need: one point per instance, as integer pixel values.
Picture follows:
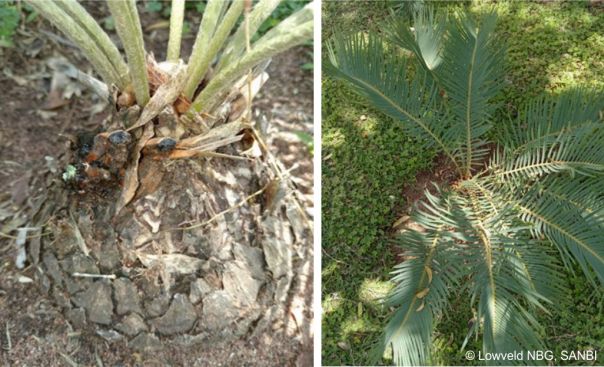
(176, 23)
(128, 27)
(218, 60)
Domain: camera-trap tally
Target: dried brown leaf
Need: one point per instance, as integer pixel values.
(158, 25)
(254, 150)
(151, 175)
(165, 95)
(275, 192)
(19, 189)
(215, 134)
(173, 263)
(238, 107)
(54, 100)
(131, 175)
(402, 220)
(204, 148)
(421, 294)
(429, 273)
(78, 235)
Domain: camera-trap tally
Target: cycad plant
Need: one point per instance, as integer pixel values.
(523, 206)
(172, 219)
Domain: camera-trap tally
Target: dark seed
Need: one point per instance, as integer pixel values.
(120, 137)
(84, 150)
(85, 138)
(97, 164)
(166, 145)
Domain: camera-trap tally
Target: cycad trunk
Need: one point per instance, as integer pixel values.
(135, 276)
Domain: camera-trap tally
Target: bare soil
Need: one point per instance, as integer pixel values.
(32, 330)
(441, 173)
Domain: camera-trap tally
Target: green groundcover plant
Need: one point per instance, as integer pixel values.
(521, 208)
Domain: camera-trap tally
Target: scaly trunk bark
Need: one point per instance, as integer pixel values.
(138, 275)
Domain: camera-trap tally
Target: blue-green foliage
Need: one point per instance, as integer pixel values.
(349, 333)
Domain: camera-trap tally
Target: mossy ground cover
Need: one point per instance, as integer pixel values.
(367, 160)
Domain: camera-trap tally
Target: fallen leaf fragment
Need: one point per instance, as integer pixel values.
(423, 293)
(131, 175)
(173, 263)
(166, 94)
(402, 220)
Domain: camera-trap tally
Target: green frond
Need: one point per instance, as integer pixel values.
(382, 79)
(508, 230)
(544, 118)
(507, 325)
(533, 261)
(471, 75)
(512, 279)
(582, 193)
(503, 287)
(556, 212)
(446, 208)
(474, 233)
(512, 274)
(426, 38)
(568, 211)
(579, 150)
(422, 286)
(538, 268)
(503, 282)
(410, 329)
(207, 27)
(423, 281)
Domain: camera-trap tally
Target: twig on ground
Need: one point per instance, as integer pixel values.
(239, 204)
(9, 343)
(6, 235)
(79, 238)
(87, 275)
(222, 155)
(97, 86)
(68, 360)
(58, 39)
(99, 361)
